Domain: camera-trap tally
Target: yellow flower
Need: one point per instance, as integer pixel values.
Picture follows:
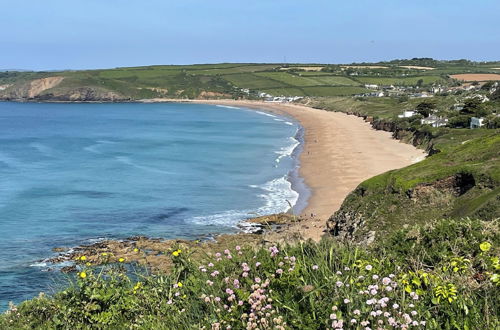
(179, 284)
(88, 264)
(485, 246)
(83, 258)
(104, 254)
(136, 250)
(175, 253)
(121, 260)
(83, 274)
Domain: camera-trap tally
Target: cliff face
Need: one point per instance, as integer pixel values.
(54, 89)
(456, 183)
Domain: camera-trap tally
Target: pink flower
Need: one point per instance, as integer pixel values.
(257, 264)
(356, 312)
(369, 267)
(226, 251)
(279, 271)
(339, 284)
(315, 267)
(217, 254)
(386, 281)
(238, 247)
(257, 280)
(217, 299)
(346, 301)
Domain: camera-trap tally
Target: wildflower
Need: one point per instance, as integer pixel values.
(353, 321)
(375, 277)
(83, 274)
(136, 250)
(238, 247)
(104, 254)
(369, 267)
(315, 267)
(333, 316)
(257, 264)
(257, 280)
(169, 302)
(279, 271)
(218, 255)
(83, 258)
(210, 265)
(217, 299)
(356, 312)
(339, 284)
(176, 253)
(413, 313)
(226, 251)
(179, 284)
(395, 306)
(338, 273)
(121, 260)
(386, 281)
(88, 264)
(346, 301)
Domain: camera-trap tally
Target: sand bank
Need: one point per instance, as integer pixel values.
(340, 152)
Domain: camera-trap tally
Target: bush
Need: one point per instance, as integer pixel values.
(440, 276)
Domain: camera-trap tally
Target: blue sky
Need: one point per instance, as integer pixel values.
(82, 34)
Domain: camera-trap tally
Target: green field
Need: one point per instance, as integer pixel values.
(227, 79)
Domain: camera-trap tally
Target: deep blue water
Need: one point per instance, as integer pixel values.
(74, 173)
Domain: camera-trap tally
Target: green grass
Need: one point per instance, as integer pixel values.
(431, 189)
(406, 81)
(439, 283)
(334, 91)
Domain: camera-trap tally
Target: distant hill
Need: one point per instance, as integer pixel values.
(231, 80)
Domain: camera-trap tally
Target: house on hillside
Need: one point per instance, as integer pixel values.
(407, 114)
(371, 86)
(476, 122)
(434, 121)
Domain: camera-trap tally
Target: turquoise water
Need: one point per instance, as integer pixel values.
(76, 173)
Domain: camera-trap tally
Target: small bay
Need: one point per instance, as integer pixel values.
(72, 174)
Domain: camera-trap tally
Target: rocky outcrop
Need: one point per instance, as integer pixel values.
(37, 86)
(363, 206)
(82, 94)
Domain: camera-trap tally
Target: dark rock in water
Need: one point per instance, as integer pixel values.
(68, 269)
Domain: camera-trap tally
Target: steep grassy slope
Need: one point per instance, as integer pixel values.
(460, 181)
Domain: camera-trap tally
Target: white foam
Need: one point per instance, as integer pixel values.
(128, 161)
(226, 106)
(94, 148)
(265, 114)
(288, 150)
(278, 119)
(39, 264)
(43, 149)
(278, 197)
(288, 123)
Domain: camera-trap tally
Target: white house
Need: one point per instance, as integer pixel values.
(373, 86)
(407, 114)
(434, 121)
(476, 122)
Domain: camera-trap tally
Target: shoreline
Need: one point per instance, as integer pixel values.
(339, 151)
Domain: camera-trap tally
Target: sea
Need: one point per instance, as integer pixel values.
(77, 173)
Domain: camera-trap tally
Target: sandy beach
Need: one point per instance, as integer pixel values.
(340, 151)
